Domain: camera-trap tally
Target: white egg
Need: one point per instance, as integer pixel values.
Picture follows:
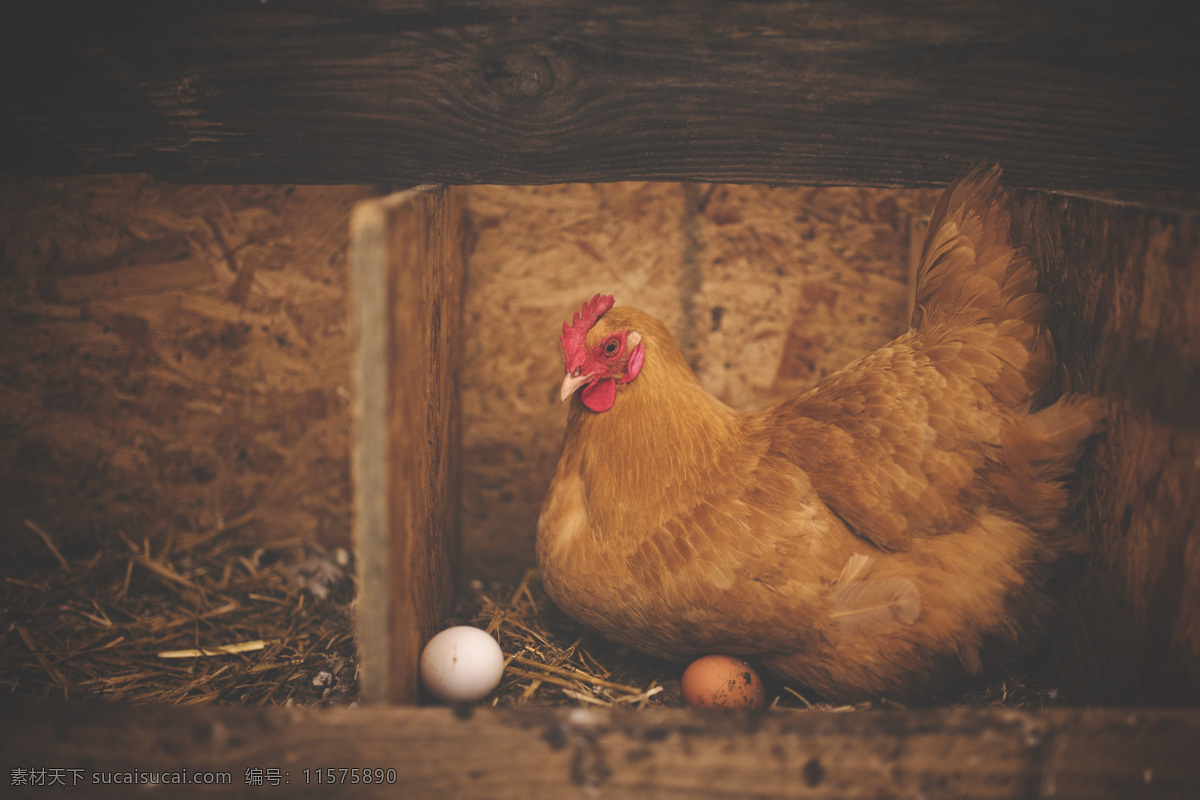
(461, 665)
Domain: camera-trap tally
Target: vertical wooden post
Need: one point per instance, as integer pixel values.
(406, 302)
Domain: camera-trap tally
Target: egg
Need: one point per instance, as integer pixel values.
(719, 681)
(461, 665)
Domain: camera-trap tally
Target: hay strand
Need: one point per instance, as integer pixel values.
(45, 537)
(221, 650)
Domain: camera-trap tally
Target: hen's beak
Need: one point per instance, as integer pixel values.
(571, 383)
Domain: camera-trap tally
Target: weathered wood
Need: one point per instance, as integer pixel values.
(406, 308)
(568, 753)
(1124, 281)
(1065, 95)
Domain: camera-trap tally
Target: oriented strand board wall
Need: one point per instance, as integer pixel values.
(172, 358)
(766, 289)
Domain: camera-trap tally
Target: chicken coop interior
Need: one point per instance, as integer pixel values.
(282, 290)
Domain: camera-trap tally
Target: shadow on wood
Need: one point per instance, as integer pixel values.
(1124, 281)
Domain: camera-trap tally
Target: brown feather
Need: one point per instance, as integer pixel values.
(863, 607)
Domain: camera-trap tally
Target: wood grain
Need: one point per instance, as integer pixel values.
(1064, 95)
(406, 309)
(1124, 281)
(569, 753)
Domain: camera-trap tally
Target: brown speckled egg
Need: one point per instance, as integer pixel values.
(722, 682)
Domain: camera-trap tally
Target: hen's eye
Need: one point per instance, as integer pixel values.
(611, 347)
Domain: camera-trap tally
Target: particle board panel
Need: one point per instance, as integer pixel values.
(172, 358)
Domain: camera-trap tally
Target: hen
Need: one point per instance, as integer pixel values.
(874, 536)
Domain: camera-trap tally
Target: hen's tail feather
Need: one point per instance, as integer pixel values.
(970, 274)
(1041, 456)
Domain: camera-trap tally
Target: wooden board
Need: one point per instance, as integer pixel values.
(406, 309)
(1065, 95)
(582, 753)
(1124, 281)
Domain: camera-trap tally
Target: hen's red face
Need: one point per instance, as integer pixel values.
(599, 367)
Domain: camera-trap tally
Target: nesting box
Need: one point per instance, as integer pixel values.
(436, 273)
(1120, 278)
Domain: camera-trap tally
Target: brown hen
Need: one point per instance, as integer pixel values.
(880, 535)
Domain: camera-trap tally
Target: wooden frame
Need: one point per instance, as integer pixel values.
(838, 92)
(581, 753)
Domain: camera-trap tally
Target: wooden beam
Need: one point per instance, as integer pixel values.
(1064, 95)
(583, 753)
(1124, 283)
(405, 310)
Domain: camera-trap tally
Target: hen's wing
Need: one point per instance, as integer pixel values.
(894, 445)
(899, 442)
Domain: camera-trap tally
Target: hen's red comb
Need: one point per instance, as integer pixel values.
(574, 334)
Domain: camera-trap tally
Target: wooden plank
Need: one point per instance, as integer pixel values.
(569, 753)
(1065, 95)
(1124, 281)
(406, 307)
